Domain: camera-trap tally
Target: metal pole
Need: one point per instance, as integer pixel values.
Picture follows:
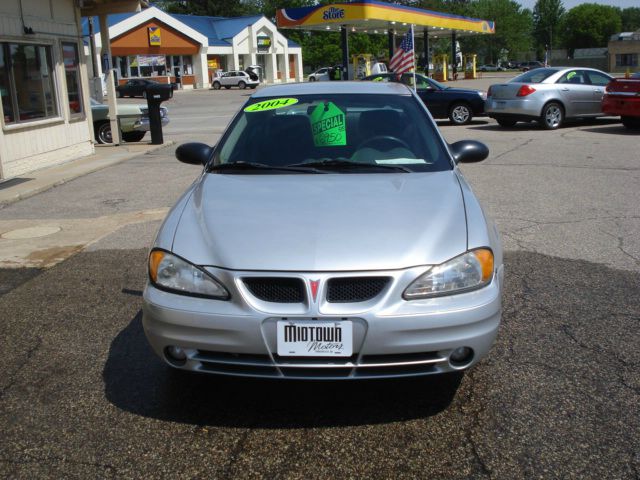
(345, 52)
(454, 60)
(413, 42)
(110, 79)
(92, 43)
(392, 42)
(426, 51)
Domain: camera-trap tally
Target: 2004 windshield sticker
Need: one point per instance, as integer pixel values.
(271, 104)
(328, 125)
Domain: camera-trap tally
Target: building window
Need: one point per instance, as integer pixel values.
(152, 65)
(133, 66)
(72, 75)
(27, 82)
(626, 60)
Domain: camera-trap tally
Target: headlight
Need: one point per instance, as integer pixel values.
(469, 271)
(170, 272)
(482, 95)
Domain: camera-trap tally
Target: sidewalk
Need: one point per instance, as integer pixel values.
(32, 183)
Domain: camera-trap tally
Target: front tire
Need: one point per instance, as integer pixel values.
(312, 79)
(460, 114)
(632, 123)
(552, 116)
(103, 132)
(242, 85)
(133, 136)
(216, 85)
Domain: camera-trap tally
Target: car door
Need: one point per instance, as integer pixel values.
(598, 81)
(227, 79)
(129, 87)
(431, 95)
(576, 93)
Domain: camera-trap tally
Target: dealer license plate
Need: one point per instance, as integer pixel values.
(303, 338)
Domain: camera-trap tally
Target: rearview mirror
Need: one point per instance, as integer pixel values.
(469, 151)
(194, 153)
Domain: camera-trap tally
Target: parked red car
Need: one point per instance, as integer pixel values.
(622, 97)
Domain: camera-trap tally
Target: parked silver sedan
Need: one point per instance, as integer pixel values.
(331, 235)
(548, 95)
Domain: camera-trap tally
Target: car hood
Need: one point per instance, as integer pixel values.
(323, 222)
(462, 90)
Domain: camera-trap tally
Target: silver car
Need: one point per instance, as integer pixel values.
(331, 235)
(321, 74)
(235, 78)
(548, 95)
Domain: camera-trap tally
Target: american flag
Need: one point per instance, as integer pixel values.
(402, 60)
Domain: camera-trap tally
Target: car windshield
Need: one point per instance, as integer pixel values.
(364, 133)
(537, 75)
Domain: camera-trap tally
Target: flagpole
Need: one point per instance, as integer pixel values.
(414, 60)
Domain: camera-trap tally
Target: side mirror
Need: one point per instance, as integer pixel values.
(194, 153)
(469, 151)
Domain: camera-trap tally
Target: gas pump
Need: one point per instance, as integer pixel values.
(440, 68)
(469, 62)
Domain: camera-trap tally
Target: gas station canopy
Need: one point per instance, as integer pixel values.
(373, 16)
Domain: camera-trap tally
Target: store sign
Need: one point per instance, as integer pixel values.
(264, 43)
(155, 37)
(333, 13)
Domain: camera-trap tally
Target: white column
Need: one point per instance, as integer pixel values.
(299, 72)
(252, 45)
(272, 68)
(201, 68)
(286, 64)
(235, 64)
(110, 76)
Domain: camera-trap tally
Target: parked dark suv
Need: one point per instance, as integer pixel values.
(526, 66)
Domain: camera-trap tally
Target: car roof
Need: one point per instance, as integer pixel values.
(326, 88)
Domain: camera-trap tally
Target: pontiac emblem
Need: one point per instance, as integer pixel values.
(314, 288)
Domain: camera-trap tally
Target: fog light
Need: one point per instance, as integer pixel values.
(461, 356)
(175, 355)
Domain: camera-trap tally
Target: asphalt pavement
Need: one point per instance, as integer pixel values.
(83, 396)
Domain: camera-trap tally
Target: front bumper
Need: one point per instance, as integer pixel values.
(143, 125)
(391, 337)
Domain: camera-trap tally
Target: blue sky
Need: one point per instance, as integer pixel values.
(569, 4)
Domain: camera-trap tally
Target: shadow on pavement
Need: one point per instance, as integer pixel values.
(533, 125)
(139, 382)
(617, 129)
(443, 122)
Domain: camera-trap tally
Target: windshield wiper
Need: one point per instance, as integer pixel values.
(348, 164)
(261, 166)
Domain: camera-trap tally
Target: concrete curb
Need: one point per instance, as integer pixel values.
(50, 177)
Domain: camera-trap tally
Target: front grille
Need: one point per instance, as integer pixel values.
(276, 289)
(355, 289)
(368, 366)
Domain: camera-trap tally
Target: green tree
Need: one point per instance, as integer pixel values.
(630, 19)
(513, 30)
(590, 25)
(547, 16)
(212, 8)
